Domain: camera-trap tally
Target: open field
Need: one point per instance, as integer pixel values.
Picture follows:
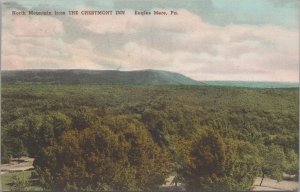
(8, 178)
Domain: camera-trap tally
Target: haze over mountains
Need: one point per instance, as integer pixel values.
(252, 84)
(142, 77)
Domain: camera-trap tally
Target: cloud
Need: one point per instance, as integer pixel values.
(76, 55)
(36, 26)
(185, 43)
(201, 50)
(107, 23)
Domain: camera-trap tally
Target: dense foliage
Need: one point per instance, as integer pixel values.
(117, 154)
(220, 164)
(132, 137)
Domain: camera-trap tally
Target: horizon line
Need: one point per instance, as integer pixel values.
(218, 80)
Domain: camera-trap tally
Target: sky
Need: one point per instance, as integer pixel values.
(247, 40)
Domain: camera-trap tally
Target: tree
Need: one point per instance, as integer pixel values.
(41, 130)
(83, 118)
(158, 125)
(292, 162)
(220, 164)
(273, 162)
(242, 165)
(13, 139)
(117, 153)
(17, 147)
(5, 158)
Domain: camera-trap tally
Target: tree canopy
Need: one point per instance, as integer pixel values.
(121, 137)
(115, 155)
(220, 164)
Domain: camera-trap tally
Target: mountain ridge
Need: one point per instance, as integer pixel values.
(79, 76)
(111, 77)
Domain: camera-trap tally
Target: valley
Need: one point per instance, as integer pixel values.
(143, 133)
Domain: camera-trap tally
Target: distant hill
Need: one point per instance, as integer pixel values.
(143, 77)
(252, 84)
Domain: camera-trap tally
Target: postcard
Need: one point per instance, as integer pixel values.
(150, 95)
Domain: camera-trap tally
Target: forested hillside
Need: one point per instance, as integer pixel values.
(142, 77)
(126, 137)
